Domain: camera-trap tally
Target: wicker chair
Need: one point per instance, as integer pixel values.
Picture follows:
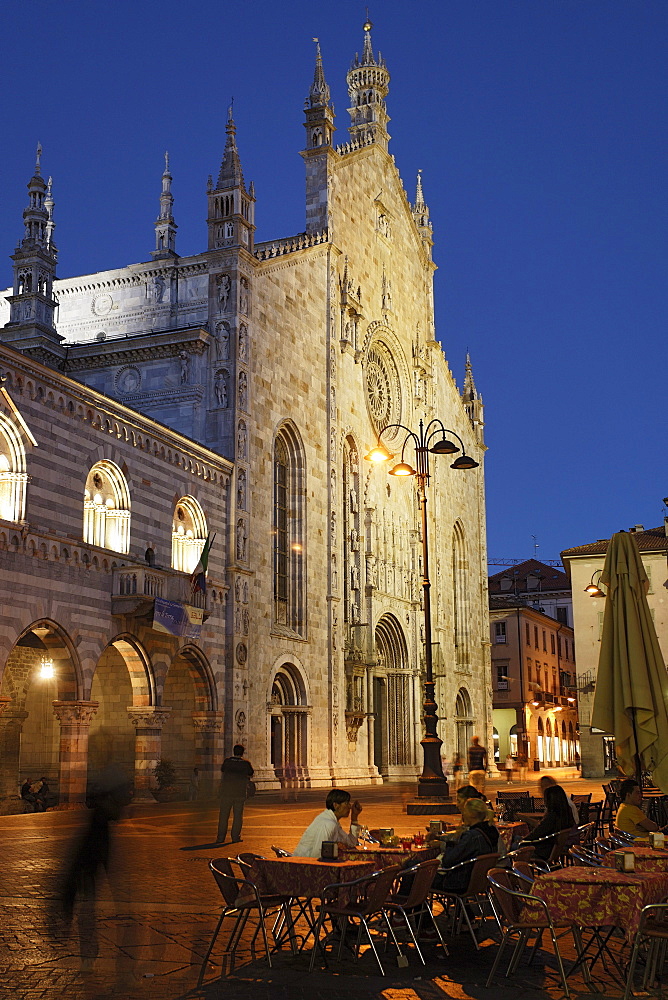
(475, 892)
(652, 930)
(241, 898)
(509, 908)
(360, 900)
(415, 904)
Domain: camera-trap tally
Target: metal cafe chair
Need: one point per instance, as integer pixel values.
(653, 931)
(475, 892)
(412, 906)
(345, 902)
(509, 908)
(580, 855)
(241, 898)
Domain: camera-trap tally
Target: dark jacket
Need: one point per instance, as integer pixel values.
(548, 825)
(236, 773)
(481, 838)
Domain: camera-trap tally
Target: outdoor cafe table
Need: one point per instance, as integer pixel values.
(301, 880)
(647, 859)
(305, 878)
(599, 897)
(511, 832)
(384, 857)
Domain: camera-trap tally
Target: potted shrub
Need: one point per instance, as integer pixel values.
(164, 773)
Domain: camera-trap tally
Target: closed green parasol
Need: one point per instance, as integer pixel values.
(631, 698)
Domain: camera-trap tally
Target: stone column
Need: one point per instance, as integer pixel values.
(208, 750)
(75, 718)
(148, 723)
(11, 724)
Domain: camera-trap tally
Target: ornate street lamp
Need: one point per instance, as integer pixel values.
(433, 439)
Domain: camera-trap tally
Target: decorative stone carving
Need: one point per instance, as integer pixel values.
(128, 380)
(243, 390)
(242, 440)
(243, 342)
(241, 489)
(75, 713)
(185, 367)
(241, 720)
(224, 284)
(383, 390)
(220, 388)
(222, 341)
(243, 297)
(207, 722)
(354, 721)
(148, 718)
(241, 653)
(241, 539)
(102, 304)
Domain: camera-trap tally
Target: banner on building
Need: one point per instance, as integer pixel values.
(177, 619)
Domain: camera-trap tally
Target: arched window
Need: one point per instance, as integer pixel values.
(351, 531)
(289, 531)
(460, 576)
(107, 508)
(188, 534)
(13, 477)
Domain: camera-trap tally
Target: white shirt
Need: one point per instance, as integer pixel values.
(324, 827)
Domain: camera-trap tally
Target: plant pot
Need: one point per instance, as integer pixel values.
(165, 794)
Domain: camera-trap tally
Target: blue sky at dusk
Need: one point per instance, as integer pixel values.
(540, 128)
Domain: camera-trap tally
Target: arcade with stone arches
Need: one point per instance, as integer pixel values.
(138, 707)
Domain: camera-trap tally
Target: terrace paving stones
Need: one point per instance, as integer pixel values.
(158, 906)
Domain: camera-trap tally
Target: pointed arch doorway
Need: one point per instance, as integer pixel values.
(394, 748)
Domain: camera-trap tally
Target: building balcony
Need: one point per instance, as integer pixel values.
(135, 588)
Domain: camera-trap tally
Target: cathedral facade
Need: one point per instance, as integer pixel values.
(270, 369)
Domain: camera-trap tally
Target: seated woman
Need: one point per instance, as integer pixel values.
(630, 817)
(479, 837)
(558, 817)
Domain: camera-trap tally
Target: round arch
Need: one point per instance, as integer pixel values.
(394, 725)
(106, 519)
(289, 715)
(206, 693)
(189, 531)
(13, 477)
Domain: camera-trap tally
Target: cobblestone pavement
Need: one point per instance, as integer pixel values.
(147, 934)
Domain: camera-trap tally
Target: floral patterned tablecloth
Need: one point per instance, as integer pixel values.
(304, 878)
(512, 833)
(597, 897)
(647, 859)
(383, 857)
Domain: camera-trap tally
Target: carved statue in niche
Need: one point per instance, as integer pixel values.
(354, 540)
(223, 341)
(224, 289)
(241, 539)
(243, 342)
(246, 621)
(220, 388)
(243, 296)
(332, 403)
(238, 590)
(355, 613)
(242, 439)
(335, 573)
(159, 287)
(332, 527)
(353, 501)
(241, 489)
(245, 591)
(185, 367)
(332, 363)
(243, 390)
(354, 577)
(332, 482)
(238, 621)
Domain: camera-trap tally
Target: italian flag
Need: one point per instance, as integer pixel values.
(198, 578)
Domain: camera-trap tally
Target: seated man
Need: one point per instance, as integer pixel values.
(630, 817)
(326, 825)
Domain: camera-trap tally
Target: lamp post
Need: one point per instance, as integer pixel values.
(433, 439)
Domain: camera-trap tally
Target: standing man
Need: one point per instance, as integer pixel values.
(235, 775)
(477, 764)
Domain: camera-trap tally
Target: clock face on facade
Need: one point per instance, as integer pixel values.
(383, 392)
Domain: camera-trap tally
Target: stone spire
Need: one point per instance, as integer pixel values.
(421, 216)
(472, 401)
(231, 218)
(368, 86)
(165, 227)
(319, 153)
(32, 304)
(319, 95)
(230, 174)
